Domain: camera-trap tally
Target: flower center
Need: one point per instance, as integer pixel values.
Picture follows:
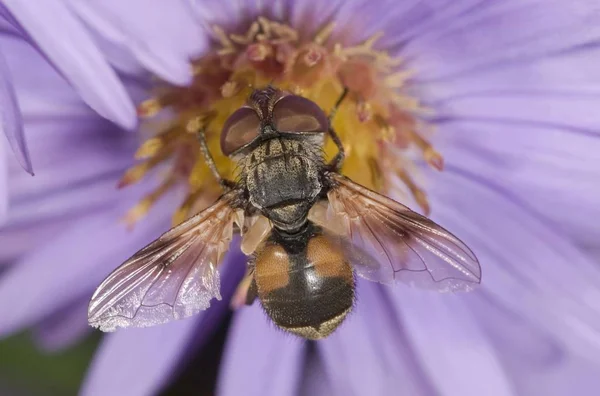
(375, 122)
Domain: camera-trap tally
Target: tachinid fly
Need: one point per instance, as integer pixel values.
(306, 228)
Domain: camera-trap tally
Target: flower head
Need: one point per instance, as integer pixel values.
(495, 81)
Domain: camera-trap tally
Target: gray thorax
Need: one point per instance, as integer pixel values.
(282, 177)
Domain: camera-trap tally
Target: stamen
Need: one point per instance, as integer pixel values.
(229, 89)
(239, 297)
(248, 37)
(312, 57)
(136, 172)
(398, 79)
(258, 52)
(281, 32)
(387, 131)
(149, 108)
(153, 146)
(227, 45)
(149, 148)
(431, 156)
(364, 111)
(419, 195)
(142, 208)
(193, 201)
(323, 35)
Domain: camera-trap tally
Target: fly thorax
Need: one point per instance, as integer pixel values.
(282, 178)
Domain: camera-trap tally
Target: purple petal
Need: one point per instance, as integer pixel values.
(521, 125)
(310, 16)
(163, 40)
(537, 363)
(43, 93)
(494, 33)
(79, 257)
(11, 122)
(551, 170)
(408, 20)
(530, 77)
(81, 156)
(314, 377)
(71, 49)
(370, 354)
(139, 361)
(449, 344)
(569, 110)
(19, 239)
(355, 21)
(225, 13)
(110, 41)
(528, 268)
(3, 181)
(80, 165)
(65, 328)
(259, 359)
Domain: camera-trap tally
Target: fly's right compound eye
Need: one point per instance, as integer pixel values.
(296, 115)
(240, 129)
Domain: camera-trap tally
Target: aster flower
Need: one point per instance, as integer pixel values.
(491, 86)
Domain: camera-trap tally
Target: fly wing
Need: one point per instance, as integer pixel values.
(172, 278)
(389, 242)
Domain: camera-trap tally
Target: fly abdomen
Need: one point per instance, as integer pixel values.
(304, 283)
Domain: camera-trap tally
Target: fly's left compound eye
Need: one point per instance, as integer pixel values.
(241, 128)
(295, 114)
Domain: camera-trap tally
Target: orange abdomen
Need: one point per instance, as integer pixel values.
(304, 283)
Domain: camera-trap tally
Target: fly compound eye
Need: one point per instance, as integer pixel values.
(295, 114)
(240, 129)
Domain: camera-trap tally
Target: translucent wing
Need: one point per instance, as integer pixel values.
(173, 277)
(389, 242)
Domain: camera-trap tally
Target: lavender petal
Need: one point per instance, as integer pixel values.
(3, 184)
(11, 121)
(109, 42)
(491, 34)
(71, 49)
(407, 21)
(314, 378)
(551, 170)
(531, 126)
(259, 359)
(166, 55)
(17, 240)
(80, 166)
(153, 357)
(79, 257)
(537, 363)
(454, 351)
(43, 93)
(370, 353)
(65, 328)
(528, 268)
(139, 361)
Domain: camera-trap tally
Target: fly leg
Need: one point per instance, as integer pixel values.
(225, 183)
(338, 160)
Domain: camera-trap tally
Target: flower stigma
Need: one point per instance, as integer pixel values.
(375, 122)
